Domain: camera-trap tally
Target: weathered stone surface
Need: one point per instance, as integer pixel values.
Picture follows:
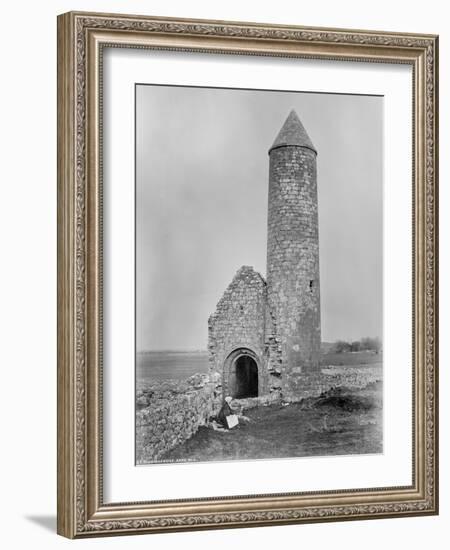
(276, 323)
(238, 323)
(170, 412)
(241, 405)
(293, 133)
(293, 290)
(314, 384)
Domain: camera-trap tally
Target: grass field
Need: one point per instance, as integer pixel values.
(165, 365)
(341, 422)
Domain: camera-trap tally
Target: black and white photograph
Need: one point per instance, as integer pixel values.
(259, 274)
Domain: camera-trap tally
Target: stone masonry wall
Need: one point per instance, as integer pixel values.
(238, 322)
(170, 412)
(293, 263)
(312, 385)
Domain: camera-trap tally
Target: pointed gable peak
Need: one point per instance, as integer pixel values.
(293, 133)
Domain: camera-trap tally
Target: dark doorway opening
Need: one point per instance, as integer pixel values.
(246, 377)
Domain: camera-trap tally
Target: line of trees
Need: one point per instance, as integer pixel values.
(365, 344)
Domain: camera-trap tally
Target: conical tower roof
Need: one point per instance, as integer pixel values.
(293, 133)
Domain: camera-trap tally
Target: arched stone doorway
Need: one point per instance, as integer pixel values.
(241, 374)
(245, 377)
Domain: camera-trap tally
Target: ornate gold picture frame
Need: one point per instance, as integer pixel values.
(82, 41)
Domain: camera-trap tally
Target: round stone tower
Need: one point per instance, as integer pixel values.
(293, 289)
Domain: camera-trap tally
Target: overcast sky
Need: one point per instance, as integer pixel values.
(201, 205)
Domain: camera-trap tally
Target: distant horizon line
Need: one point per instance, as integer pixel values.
(181, 350)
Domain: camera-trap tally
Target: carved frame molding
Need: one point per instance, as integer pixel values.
(81, 37)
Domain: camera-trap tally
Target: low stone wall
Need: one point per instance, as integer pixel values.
(332, 377)
(241, 405)
(170, 412)
(312, 385)
(353, 377)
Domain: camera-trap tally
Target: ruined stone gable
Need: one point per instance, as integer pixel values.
(237, 328)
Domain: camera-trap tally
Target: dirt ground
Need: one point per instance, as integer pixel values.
(340, 422)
